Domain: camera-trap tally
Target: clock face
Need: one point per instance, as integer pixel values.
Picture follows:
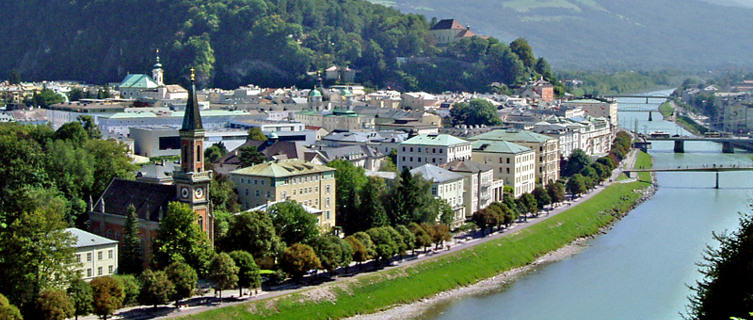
(184, 193)
(199, 193)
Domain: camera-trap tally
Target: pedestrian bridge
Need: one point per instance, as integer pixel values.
(712, 168)
(728, 143)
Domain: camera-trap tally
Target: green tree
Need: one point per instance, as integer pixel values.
(8, 311)
(91, 128)
(76, 94)
(409, 239)
(349, 181)
(576, 185)
(250, 155)
(292, 223)
(46, 98)
(360, 253)
(371, 212)
(439, 233)
(542, 197)
(297, 259)
(54, 304)
(214, 153)
(410, 200)
(529, 202)
(332, 252)
(73, 132)
(475, 112)
(184, 278)
(523, 50)
(590, 177)
(108, 295)
(156, 288)
(385, 246)
(82, 297)
(179, 238)
(556, 192)
(131, 288)
(422, 238)
(446, 214)
(248, 271)
(483, 219)
(221, 227)
(130, 245)
(223, 272)
(255, 134)
(110, 160)
(366, 241)
(577, 160)
(253, 231)
(607, 162)
(222, 194)
(601, 171)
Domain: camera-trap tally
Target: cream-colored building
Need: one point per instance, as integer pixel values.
(480, 189)
(546, 148)
(513, 163)
(597, 109)
(309, 184)
(445, 185)
(95, 256)
(436, 149)
(337, 119)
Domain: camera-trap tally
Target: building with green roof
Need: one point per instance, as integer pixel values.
(512, 162)
(309, 184)
(546, 148)
(134, 84)
(436, 149)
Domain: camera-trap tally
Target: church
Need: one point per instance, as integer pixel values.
(190, 186)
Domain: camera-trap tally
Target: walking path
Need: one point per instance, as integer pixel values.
(206, 302)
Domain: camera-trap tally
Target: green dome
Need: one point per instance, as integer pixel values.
(272, 136)
(315, 93)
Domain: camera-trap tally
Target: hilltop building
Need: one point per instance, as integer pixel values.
(447, 31)
(135, 86)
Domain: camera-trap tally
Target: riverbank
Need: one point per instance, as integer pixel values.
(405, 285)
(669, 110)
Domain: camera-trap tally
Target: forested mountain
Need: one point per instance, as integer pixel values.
(234, 42)
(611, 34)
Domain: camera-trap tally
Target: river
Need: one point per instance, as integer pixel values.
(640, 269)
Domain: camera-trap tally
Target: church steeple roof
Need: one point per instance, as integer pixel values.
(192, 117)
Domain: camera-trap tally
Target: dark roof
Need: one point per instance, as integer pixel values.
(148, 198)
(448, 24)
(290, 149)
(465, 166)
(192, 117)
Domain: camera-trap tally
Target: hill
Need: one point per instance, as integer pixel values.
(611, 34)
(234, 42)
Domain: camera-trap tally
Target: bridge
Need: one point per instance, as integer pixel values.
(714, 168)
(728, 143)
(637, 96)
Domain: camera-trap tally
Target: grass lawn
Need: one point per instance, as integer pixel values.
(666, 109)
(381, 290)
(690, 125)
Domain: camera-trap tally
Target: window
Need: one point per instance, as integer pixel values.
(257, 193)
(508, 170)
(99, 271)
(419, 159)
(327, 214)
(198, 153)
(109, 254)
(328, 188)
(99, 255)
(256, 181)
(433, 150)
(78, 258)
(508, 160)
(88, 272)
(411, 149)
(109, 269)
(419, 149)
(440, 150)
(327, 203)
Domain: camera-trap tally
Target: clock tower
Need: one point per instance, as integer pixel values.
(192, 180)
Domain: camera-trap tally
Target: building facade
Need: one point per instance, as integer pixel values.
(513, 163)
(435, 149)
(95, 256)
(309, 184)
(445, 185)
(478, 184)
(546, 148)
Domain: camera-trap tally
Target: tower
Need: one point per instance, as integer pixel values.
(158, 75)
(192, 181)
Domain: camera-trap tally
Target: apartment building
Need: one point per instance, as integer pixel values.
(513, 163)
(95, 256)
(546, 149)
(436, 149)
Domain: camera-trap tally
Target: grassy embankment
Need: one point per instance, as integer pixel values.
(666, 109)
(686, 122)
(381, 290)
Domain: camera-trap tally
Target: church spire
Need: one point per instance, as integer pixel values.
(192, 117)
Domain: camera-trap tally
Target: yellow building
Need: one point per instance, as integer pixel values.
(96, 256)
(309, 184)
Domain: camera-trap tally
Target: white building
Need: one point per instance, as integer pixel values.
(513, 163)
(480, 189)
(436, 149)
(96, 256)
(445, 185)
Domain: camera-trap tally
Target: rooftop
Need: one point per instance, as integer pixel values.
(434, 140)
(86, 239)
(513, 136)
(495, 146)
(282, 168)
(435, 174)
(466, 166)
(138, 81)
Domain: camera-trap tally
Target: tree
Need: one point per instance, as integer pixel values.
(180, 238)
(529, 203)
(108, 295)
(410, 200)
(409, 239)
(371, 212)
(8, 311)
(724, 291)
(576, 185)
(367, 243)
(250, 155)
(350, 180)
(73, 132)
(484, 219)
(222, 194)
(332, 252)
(130, 243)
(607, 161)
(292, 223)
(475, 112)
(252, 231)
(523, 50)
(131, 287)
(255, 134)
(577, 160)
(297, 259)
(556, 192)
(214, 152)
(601, 171)
(82, 297)
(440, 233)
(422, 238)
(54, 304)
(46, 98)
(360, 254)
(110, 160)
(384, 246)
(223, 272)
(183, 278)
(91, 128)
(542, 197)
(590, 176)
(76, 94)
(446, 214)
(156, 288)
(248, 272)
